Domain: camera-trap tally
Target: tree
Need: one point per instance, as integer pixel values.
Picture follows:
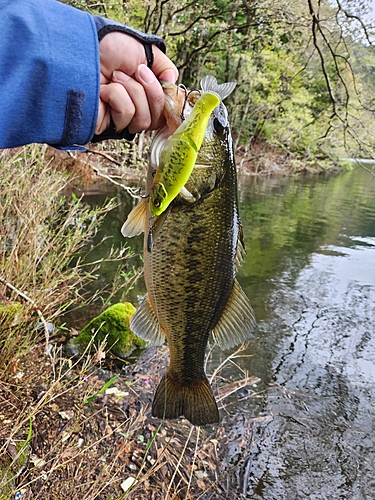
(304, 69)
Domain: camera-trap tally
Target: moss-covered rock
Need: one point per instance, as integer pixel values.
(113, 323)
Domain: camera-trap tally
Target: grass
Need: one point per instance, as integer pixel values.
(42, 233)
(78, 428)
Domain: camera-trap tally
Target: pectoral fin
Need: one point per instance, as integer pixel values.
(136, 222)
(187, 196)
(144, 323)
(237, 321)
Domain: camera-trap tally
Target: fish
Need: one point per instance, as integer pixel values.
(179, 154)
(190, 270)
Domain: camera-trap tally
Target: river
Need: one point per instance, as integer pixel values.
(307, 430)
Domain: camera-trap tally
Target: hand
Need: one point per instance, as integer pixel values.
(129, 90)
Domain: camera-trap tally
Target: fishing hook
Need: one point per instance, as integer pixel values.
(187, 94)
(182, 86)
(143, 196)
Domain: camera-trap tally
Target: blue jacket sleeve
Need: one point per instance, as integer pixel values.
(49, 74)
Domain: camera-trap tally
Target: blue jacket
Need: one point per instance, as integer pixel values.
(49, 74)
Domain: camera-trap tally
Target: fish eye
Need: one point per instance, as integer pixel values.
(218, 126)
(157, 203)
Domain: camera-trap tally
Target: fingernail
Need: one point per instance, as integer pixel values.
(146, 74)
(120, 76)
(169, 76)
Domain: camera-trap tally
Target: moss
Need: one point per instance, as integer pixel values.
(9, 469)
(10, 314)
(6, 481)
(113, 323)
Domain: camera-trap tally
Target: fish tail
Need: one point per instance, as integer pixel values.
(195, 402)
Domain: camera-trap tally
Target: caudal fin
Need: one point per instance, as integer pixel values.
(195, 402)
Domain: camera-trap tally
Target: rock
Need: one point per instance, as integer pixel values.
(112, 325)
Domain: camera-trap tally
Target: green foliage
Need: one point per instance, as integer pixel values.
(103, 389)
(112, 327)
(283, 95)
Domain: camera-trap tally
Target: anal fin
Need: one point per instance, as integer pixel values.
(237, 321)
(145, 324)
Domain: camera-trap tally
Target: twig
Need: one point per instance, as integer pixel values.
(134, 192)
(35, 306)
(246, 475)
(239, 385)
(317, 28)
(106, 155)
(234, 355)
(193, 463)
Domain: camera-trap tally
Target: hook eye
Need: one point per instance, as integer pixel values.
(182, 86)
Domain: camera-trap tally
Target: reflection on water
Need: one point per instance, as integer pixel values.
(311, 269)
(309, 431)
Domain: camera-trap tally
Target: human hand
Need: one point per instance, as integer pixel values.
(129, 91)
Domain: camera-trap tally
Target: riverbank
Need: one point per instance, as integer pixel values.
(264, 159)
(128, 162)
(63, 431)
(92, 435)
(81, 428)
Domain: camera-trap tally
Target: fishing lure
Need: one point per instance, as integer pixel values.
(179, 155)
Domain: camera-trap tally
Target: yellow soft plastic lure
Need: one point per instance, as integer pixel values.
(179, 155)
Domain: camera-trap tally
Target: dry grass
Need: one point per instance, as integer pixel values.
(41, 235)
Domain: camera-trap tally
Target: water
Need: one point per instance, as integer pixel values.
(308, 430)
(310, 272)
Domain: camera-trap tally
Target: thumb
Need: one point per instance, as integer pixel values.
(163, 68)
(168, 75)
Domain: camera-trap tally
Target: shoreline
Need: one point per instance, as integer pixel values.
(262, 159)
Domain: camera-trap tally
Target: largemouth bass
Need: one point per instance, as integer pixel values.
(179, 154)
(190, 271)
